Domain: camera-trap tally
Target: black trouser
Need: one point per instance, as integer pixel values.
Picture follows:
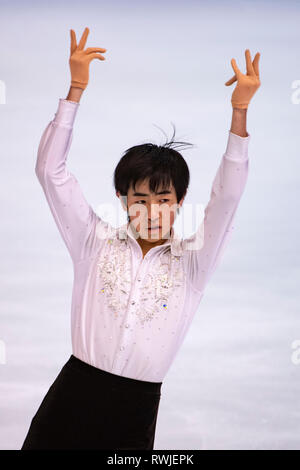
(89, 408)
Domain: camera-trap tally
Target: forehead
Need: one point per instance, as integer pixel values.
(142, 187)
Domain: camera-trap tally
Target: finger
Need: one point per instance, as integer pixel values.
(95, 49)
(249, 66)
(237, 71)
(83, 39)
(95, 56)
(255, 64)
(232, 80)
(73, 41)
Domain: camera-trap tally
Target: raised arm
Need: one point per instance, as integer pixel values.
(228, 185)
(227, 188)
(75, 218)
(73, 215)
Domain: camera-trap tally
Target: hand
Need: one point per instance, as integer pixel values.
(80, 59)
(246, 84)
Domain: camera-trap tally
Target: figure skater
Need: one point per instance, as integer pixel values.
(136, 286)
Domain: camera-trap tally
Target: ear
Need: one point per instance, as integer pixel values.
(181, 201)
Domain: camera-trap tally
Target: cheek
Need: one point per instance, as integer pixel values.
(135, 211)
(170, 216)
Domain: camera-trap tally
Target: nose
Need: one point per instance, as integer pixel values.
(154, 215)
(154, 212)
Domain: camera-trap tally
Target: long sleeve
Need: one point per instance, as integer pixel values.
(206, 246)
(74, 217)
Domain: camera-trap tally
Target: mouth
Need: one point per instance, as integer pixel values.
(154, 228)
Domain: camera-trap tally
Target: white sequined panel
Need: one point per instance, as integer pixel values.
(114, 271)
(161, 288)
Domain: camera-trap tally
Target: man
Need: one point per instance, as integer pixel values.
(136, 287)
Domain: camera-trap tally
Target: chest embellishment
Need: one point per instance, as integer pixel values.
(157, 293)
(161, 289)
(114, 272)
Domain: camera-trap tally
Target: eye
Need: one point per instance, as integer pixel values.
(142, 200)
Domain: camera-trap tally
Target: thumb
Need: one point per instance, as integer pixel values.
(95, 56)
(231, 81)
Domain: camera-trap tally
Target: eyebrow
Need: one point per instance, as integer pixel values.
(144, 194)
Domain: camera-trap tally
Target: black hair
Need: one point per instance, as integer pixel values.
(162, 164)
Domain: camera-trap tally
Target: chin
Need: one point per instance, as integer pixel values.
(159, 236)
(155, 237)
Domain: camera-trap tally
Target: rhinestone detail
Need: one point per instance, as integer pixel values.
(114, 271)
(164, 278)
